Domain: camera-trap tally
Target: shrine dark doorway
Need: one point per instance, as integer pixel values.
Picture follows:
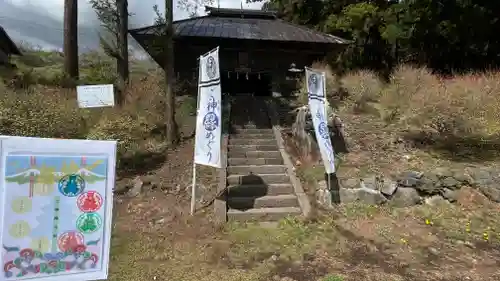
(258, 84)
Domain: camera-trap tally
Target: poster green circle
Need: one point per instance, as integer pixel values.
(89, 222)
(20, 229)
(41, 244)
(21, 205)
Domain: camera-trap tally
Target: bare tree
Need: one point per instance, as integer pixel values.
(113, 15)
(162, 46)
(70, 47)
(171, 131)
(165, 43)
(192, 7)
(122, 61)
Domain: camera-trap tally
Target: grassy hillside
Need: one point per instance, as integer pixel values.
(455, 115)
(415, 121)
(39, 101)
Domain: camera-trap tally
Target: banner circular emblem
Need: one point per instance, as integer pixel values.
(211, 67)
(313, 83)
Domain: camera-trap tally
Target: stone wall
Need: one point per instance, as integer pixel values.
(411, 188)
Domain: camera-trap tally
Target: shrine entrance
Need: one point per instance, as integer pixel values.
(240, 83)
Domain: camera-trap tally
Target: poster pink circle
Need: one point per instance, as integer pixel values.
(90, 201)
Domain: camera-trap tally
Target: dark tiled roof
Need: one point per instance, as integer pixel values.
(243, 24)
(6, 44)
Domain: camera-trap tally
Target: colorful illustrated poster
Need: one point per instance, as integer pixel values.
(57, 198)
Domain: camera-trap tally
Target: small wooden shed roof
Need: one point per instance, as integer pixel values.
(7, 45)
(241, 24)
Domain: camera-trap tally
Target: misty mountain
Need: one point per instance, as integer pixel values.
(33, 26)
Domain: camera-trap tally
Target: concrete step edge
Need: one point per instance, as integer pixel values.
(250, 145)
(258, 151)
(269, 210)
(240, 139)
(253, 131)
(247, 155)
(245, 141)
(255, 166)
(258, 175)
(271, 185)
(269, 136)
(265, 197)
(254, 161)
(246, 158)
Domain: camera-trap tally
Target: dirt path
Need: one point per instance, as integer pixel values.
(150, 226)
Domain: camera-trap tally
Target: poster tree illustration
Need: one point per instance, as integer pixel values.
(54, 215)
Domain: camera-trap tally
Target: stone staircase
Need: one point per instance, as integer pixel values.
(259, 186)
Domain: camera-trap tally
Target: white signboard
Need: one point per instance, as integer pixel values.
(56, 208)
(95, 96)
(208, 119)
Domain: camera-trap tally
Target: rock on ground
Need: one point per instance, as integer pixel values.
(405, 197)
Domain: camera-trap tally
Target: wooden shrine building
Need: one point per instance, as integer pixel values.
(256, 48)
(7, 48)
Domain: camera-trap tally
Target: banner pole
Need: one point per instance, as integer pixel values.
(193, 190)
(329, 184)
(324, 97)
(193, 187)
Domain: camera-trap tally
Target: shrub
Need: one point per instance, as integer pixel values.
(462, 105)
(137, 121)
(332, 84)
(42, 112)
(96, 68)
(461, 108)
(354, 89)
(129, 130)
(363, 89)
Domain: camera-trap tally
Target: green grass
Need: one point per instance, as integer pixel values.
(333, 278)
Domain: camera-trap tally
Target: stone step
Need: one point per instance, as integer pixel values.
(260, 125)
(241, 131)
(242, 141)
(243, 136)
(254, 154)
(268, 201)
(252, 147)
(257, 169)
(262, 214)
(254, 161)
(257, 179)
(253, 190)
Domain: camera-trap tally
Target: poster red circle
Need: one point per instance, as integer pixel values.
(90, 201)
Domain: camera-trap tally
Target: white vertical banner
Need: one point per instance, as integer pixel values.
(316, 85)
(209, 117)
